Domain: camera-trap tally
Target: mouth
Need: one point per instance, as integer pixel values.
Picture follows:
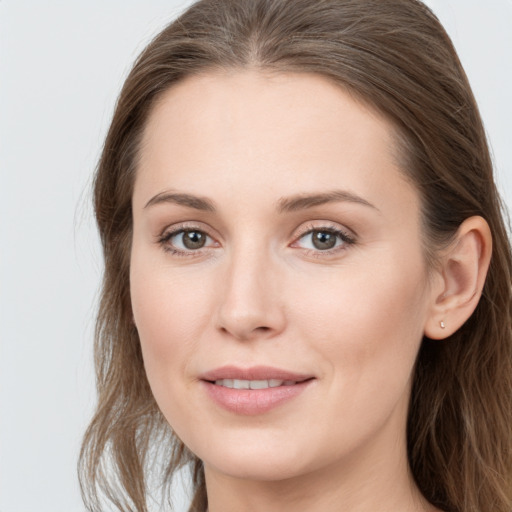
(253, 384)
(254, 390)
(256, 377)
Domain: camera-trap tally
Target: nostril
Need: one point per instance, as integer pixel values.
(248, 334)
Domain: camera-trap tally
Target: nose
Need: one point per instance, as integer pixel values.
(251, 300)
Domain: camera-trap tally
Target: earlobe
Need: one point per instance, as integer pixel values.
(462, 273)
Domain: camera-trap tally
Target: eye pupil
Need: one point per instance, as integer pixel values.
(324, 240)
(193, 239)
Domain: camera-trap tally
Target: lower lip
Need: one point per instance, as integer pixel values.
(250, 402)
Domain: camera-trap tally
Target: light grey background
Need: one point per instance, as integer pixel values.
(62, 64)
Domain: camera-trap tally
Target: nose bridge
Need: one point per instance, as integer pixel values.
(250, 306)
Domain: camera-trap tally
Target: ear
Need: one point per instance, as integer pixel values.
(460, 280)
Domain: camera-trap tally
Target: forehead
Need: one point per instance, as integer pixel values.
(245, 128)
(260, 102)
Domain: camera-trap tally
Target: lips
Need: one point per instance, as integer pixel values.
(253, 384)
(253, 390)
(254, 373)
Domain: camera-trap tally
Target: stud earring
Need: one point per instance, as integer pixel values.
(441, 323)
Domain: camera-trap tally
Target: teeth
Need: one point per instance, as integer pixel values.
(258, 384)
(241, 384)
(253, 384)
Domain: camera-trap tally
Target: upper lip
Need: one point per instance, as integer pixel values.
(253, 373)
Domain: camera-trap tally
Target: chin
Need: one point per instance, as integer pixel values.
(260, 459)
(263, 468)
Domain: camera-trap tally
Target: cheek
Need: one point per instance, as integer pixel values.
(367, 323)
(170, 313)
(167, 302)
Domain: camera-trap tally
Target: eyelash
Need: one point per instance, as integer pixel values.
(164, 241)
(346, 239)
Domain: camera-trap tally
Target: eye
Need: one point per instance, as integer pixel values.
(184, 241)
(189, 240)
(324, 239)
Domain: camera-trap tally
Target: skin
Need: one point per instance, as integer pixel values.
(260, 293)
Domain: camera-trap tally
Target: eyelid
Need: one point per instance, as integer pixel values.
(163, 239)
(321, 225)
(186, 226)
(346, 236)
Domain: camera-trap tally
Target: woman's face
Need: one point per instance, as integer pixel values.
(277, 246)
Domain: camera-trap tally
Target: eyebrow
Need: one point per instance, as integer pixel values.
(284, 205)
(195, 202)
(304, 201)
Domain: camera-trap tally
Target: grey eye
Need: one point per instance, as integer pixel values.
(323, 240)
(193, 239)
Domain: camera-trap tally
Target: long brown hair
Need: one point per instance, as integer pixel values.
(395, 56)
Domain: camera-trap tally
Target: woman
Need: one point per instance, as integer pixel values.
(307, 273)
